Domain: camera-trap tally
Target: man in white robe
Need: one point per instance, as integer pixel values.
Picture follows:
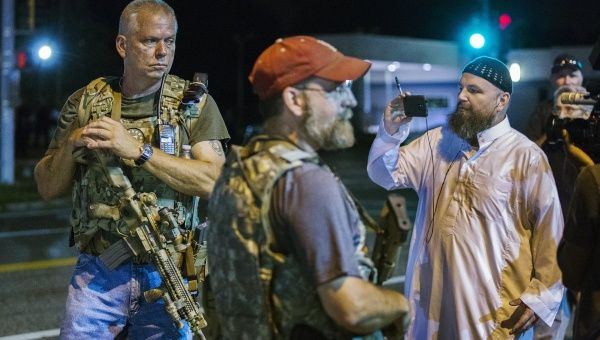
(482, 262)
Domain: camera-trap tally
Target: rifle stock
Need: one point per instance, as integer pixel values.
(390, 236)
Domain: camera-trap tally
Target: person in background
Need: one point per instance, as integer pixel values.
(566, 70)
(579, 253)
(566, 159)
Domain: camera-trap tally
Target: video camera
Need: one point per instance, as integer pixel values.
(584, 133)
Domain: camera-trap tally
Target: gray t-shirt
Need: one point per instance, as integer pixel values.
(313, 219)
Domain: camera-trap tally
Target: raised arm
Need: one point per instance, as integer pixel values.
(393, 130)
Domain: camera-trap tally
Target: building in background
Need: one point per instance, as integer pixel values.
(432, 68)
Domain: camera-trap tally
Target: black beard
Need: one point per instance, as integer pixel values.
(467, 124)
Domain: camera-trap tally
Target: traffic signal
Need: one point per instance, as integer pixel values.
(491, 37)
(21, 60)
(504, 20)
(477, 40)
(505, 34)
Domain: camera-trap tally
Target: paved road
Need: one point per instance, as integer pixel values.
(36, 263)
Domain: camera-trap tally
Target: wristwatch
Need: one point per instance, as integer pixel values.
(146, 154)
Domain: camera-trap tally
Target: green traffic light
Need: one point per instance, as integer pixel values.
(477, 40)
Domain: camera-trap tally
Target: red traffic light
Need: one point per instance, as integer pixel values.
(21, 60)
(504, 21)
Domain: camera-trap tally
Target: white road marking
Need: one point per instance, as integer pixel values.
(33, 335)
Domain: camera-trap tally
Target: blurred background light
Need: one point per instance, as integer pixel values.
(45, 52)
(477, 40)
(515, 72)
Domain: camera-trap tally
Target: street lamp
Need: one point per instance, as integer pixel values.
(45, 52)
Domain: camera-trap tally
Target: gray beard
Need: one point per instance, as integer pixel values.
(338, 135)
(467, 124)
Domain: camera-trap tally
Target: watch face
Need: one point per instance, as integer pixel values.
(137, 134)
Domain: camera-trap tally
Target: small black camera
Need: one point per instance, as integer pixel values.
(415, 106)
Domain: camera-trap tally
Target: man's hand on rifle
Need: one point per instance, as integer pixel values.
(108, 134)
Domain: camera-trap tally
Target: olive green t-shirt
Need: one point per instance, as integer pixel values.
(209, 126)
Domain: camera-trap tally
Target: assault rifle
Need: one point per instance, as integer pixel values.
(391, 233)
(145, 222)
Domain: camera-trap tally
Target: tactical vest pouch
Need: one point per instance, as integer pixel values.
(95, 225)
(240, 225)
(245, 188)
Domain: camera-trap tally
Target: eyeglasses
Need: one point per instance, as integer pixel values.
(336, 93)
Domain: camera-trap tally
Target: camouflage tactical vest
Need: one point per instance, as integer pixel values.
(247, 262)
(95, 220)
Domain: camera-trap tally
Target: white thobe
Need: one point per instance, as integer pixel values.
(486, 231)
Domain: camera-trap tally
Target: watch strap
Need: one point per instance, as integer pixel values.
(147, 152)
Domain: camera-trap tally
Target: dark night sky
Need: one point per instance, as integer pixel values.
(212, 33)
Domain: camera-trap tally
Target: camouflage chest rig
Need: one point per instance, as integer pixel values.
(249, 259)
(95, 220)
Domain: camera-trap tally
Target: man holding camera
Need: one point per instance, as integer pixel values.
(562, 140)
(547, 128)
(566, 70)
(578, 252)
(566, 161)
(482, 262)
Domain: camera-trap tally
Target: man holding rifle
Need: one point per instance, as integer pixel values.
(137, 122)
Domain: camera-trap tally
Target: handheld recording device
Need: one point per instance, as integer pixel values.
(414, 106)
(166, 135)
(165, 131)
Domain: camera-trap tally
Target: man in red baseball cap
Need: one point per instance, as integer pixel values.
(309, 74)
(287, 243)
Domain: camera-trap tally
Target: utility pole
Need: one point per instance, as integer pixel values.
(8, 95)
(485, 10)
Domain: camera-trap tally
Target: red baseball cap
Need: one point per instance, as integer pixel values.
(290, 60)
